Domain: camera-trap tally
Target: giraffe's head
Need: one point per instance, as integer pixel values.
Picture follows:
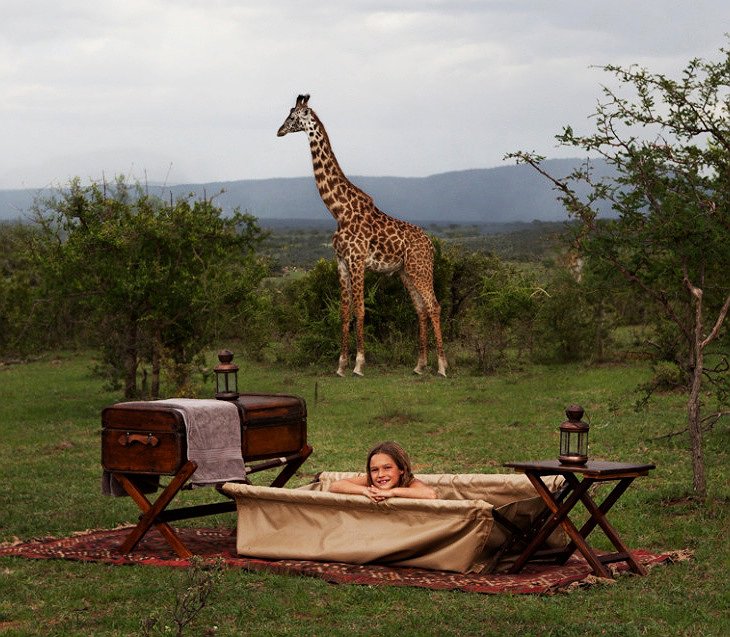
(299, 117)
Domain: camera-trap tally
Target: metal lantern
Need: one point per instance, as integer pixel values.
(574, 437)
(226, 376)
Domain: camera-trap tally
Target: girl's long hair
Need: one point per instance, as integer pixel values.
(400, 457)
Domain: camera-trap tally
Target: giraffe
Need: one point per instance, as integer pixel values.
(368, 239)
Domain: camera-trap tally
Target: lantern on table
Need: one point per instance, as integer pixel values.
(226, 376)
(574, 437)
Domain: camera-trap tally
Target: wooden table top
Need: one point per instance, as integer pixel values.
(591, 469)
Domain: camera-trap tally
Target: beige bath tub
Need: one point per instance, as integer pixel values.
(456, 532)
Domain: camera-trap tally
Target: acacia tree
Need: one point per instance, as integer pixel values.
(669, 143)
(148, 278)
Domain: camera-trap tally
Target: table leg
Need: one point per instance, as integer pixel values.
(291, 467)
(588, 527)
(598, 517)
(558, 511)
(560, 517)
(517, 535)
(151, 511)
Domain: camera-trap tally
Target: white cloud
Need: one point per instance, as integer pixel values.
(405, 87)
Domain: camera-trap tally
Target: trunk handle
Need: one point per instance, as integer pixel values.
(128, 439)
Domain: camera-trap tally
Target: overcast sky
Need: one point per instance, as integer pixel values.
(194, 90)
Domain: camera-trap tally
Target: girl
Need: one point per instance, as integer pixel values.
(388, 475)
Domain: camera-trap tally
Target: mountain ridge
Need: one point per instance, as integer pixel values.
(501, 194)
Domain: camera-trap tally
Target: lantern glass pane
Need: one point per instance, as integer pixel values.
(564, 438)
(573, 446)
(583, 444)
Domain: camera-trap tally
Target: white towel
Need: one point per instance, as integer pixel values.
(214, 439)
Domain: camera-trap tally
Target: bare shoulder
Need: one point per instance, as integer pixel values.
(416, 483)
(421, 490)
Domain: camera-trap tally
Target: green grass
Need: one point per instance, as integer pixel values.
(50, 459)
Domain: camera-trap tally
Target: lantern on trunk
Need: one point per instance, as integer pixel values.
(226, 376)
(574, 437)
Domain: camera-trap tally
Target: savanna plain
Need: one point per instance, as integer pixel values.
(50, 458)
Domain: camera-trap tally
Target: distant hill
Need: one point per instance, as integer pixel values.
(479, 196)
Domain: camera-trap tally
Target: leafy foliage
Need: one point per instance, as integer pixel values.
(148, 280)
(30, 320)
(496, 310)
(669, 143)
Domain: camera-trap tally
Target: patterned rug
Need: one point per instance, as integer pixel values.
(103, 546)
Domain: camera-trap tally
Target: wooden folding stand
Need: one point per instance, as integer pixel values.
(560, 504)
(143, 440)
(156, 513)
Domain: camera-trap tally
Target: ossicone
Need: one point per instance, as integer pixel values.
(302, 100)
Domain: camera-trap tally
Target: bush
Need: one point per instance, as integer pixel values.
(563, 327)
(150, 279)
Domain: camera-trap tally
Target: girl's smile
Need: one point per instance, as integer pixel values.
(384, 471)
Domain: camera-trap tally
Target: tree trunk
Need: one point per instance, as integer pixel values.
(156, 357)
(695, 429)
(130, 362)
(695, 421)
(181, 368)
(599, 342)
(693, 403)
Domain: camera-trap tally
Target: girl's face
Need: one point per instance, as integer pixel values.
(384, 472)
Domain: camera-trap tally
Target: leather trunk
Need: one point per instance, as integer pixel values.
(150, 438)
(274, 425)
(143, 438)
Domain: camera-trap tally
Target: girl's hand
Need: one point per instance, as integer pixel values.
(378, 495)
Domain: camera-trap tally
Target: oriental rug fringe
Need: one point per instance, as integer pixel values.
(211, 543)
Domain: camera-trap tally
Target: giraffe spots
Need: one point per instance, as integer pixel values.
(367, 238)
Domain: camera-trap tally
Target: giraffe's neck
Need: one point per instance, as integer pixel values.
(335, 189)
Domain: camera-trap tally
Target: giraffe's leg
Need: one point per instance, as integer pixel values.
(424, 287)
(345, 315)
(420, 308)
(357, 278)
(435, 315)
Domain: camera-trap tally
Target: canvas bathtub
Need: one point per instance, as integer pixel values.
(456, 532)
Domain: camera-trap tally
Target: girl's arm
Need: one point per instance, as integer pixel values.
(359, 486)
(356, 486)
(416, 489)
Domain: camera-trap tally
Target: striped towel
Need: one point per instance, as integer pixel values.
(214, 439)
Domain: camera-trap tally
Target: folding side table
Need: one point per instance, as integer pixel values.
(561, 505)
